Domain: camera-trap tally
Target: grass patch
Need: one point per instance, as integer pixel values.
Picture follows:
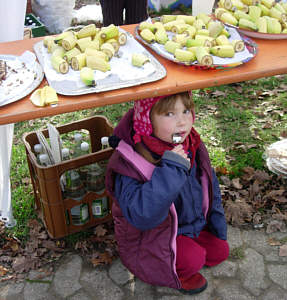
(237, 253)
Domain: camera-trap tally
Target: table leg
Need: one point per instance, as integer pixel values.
(6, 133)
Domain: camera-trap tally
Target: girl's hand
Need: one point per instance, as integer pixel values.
(179, 150)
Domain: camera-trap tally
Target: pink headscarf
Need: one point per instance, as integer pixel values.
(141, 119)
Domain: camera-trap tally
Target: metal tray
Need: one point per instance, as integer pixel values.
(225, 63)
(67, 87)
(28, 87)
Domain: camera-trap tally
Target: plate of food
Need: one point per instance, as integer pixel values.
(265, 19)
(93, 60)
(19, 76)
(200, 41)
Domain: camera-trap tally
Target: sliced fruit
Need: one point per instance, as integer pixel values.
(49, 95)
(87, 76)
(36, 98)
(139, 59)
(223, 51)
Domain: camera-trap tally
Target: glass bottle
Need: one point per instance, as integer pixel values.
(77, 147)
(83, 171)
(38, 149)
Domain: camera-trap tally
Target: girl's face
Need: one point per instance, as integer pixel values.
(178, 120)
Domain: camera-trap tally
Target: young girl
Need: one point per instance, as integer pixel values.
(169, 220)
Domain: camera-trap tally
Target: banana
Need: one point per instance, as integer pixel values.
(193, 49)
(279, 7)
(180, 38)
(59, 64)
(114, 43)
(199, 24)
(167, 18)
(264, 10)
(184, 56)
(109, 32)
(225, 32)
(171, 46)
(238, 45)
(58, 51)
(49, 95)
(97, 63)
(251, 2)
(96, 53)
(238, 14)
(197, 42)
(179, 28)
(203, 32)
(190, 31)
(204, 17)
(268, 3)
(208, 41)
(98, 38)
(146, 25)
(262, 25)
(87, 76)
(239, 5)
(69, 42)
(88, 30)
(158, 26)
(71, 53)
(147, 35)
(78, 61)
(277, 14)
(58, 38)
(219, 11)
(187, 19)
(203, 57)
(139, 59)
(167, 26)
(246, 24)
(108, 49)
(228, 18)
(227, 4)
(83, 43)
(51, 46)
(284, 5)
(254, 12)
(223, 51)
(215, 28)
(273, 25)
(47, 39)
(122, 39)
(161, 36)
(222, 40)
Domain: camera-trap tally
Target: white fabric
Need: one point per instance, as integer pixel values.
(55, 14)
(6, 134)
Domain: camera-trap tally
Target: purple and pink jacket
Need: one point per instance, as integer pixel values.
(152, 204)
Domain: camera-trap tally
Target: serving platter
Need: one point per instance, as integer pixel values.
(239, 58)
(123, 73)
(22, 78)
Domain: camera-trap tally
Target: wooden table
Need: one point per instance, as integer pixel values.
(270, 60)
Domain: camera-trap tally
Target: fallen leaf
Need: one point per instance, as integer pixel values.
(100, 231)
(274, 242)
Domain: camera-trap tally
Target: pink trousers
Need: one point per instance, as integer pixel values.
(194, 253)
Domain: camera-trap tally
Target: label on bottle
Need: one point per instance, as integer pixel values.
(97, 208)
(80, 214)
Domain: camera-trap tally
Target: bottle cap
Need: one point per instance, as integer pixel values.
(44, 159)
(105, 141)
(65, 152)
(77, 137)
(38, 148)
(85, 146)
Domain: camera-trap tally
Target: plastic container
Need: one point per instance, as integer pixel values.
(51, 203)
(36, 26)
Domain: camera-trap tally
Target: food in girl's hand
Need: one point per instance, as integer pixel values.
(265, 16)
(176, 138)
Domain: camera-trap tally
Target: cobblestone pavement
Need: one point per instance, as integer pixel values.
(258, 273)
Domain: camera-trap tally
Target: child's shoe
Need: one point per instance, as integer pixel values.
(195, 284)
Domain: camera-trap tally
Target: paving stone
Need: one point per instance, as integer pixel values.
(66, 280)
(234, 237)
(275, 294)
(80, 295)
(12, 291)
(140, 290)
(252, 272)
(278, 274)
(119, 273)
(225, 269)
(99, 285)
(232, 291)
